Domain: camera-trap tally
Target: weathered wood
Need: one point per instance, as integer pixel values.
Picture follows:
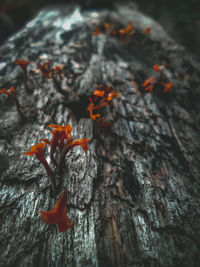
(133, 197)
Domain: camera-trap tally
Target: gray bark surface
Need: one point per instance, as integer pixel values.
(133, 197)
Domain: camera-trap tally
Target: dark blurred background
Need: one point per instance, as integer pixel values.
(180, 18)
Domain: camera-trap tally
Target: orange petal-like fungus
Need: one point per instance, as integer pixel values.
(149, 84)
(106, 94)
(148, 81)
(38, 150)
(90, 108)
(107, 26)
(112, 95)
(60, 134)
(9, 92)
(97, 31)
(99, 93)
(22, 63)
(57, 68)
(159, 68)
(58, 214)
(48, 75)
(149, 88)
(156, 68)
(167, 86)
(127, 31)
(147, 30)
(45, 67)
(46, 70)
(79, 142)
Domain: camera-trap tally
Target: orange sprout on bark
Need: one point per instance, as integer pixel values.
(22, 63)
(97, 31)
(11, 93)
(151, 82)
(38, 151)
(167, 86)
(128, 31)
(104, 95)
(58, 214)
(46, 70)
(159, 68)
(147, 30)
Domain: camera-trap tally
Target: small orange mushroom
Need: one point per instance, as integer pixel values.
(159, 68)
(51, 73)
(92, 107)
(128, 31)
(22, 63)
(167, 86)
(149, 84)
(58, 70)
(97, 31)
(62, 139)
(46, 70)
(79, 142)
(99, 93)
(159, 82)
(147, 30)
(58, 214)
(106, 94)
(38, 150)
(106, 25)
(60, 134)
(11, 92)
(109, 28)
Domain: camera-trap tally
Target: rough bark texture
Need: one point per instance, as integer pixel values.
(133, 197)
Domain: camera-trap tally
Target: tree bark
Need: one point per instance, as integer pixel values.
(133, 197)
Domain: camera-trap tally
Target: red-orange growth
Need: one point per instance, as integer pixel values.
(104, 96)
(150, 83)
(58, 214)
(22, 63)
(10, 92)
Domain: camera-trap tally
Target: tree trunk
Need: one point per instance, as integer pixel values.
(133, 196)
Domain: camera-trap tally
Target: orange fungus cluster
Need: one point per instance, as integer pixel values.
(111, 30)
(160, 82)
(49, 72)
(62, 140)
(101, 97)
(122, 33)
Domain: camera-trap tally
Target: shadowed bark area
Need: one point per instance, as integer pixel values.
(133, 197)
